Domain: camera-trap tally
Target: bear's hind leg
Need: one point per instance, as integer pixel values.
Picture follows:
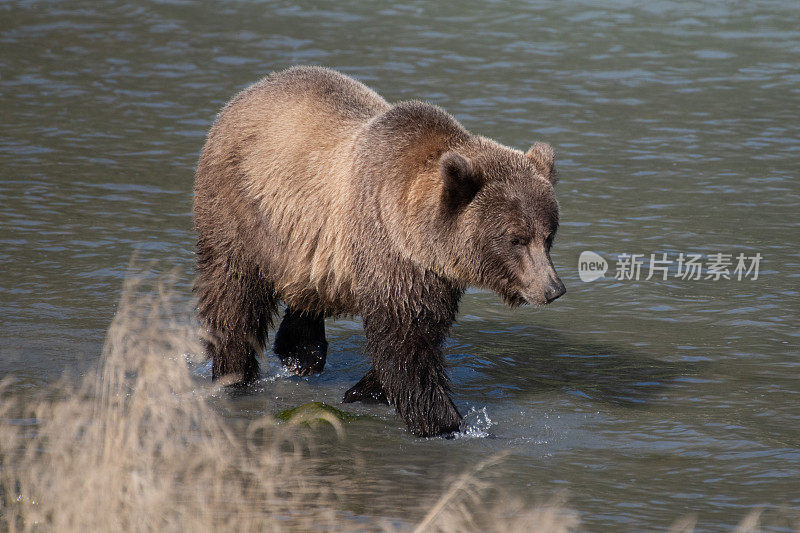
(300, 342)
(235, 304)
(368, 390)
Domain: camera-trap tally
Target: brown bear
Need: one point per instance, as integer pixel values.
(312, 190)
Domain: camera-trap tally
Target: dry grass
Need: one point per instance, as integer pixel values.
(462, 508)
(137, 447)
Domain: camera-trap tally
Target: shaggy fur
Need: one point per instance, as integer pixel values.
(312, 190)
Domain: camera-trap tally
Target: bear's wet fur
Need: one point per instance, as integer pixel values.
(312, 190)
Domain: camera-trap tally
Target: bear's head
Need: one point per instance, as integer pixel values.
(501, 206)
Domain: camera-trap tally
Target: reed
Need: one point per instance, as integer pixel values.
(136, 446)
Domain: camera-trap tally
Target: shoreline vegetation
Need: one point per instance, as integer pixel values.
(136, 446)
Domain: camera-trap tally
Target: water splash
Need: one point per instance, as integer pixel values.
(476, 425)
(270, 372)
(274, 371)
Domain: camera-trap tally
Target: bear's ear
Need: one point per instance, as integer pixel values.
(460, 182)
(543, 157)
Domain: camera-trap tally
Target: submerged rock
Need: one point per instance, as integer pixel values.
(316, 411)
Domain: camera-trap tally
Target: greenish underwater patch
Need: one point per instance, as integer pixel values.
(314, 411)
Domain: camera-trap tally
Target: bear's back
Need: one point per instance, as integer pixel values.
(302, 98)
(342, 95)
(274, 178)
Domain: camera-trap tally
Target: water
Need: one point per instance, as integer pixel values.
(676, 126)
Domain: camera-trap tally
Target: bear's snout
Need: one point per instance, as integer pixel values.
(539, 281)
(554, 290)
(544, 292)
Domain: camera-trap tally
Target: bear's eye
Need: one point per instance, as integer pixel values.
(519, 241)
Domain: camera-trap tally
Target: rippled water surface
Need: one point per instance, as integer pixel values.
(677, 127)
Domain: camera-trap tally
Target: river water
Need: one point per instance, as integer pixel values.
(677, 131)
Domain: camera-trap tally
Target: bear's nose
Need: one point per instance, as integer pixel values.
(554, 290)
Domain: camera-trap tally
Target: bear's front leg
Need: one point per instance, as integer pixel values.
(409, 365)
(367, 390)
